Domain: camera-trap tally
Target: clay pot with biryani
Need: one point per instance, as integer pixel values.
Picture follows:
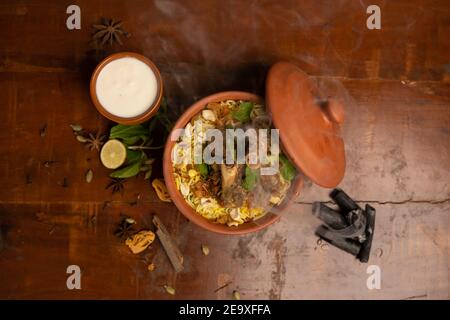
(234, 161)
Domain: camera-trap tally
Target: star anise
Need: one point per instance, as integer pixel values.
(95, 142)
(125, 229)
(116, 185)
(109, 31)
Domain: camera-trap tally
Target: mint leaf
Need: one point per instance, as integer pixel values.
(251, 179)
(203, 169)
(243, 113)
(130, 141)
(127, 172)
(133, 155)
(287, 169)
(125, 132)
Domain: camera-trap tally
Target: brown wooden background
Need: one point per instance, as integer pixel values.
(397, 133)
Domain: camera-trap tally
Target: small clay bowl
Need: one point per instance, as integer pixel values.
(150, 111)
(177, 197)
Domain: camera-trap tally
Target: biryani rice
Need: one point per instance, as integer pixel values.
(188, 175)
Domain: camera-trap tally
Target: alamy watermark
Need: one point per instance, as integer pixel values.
(230, 146)
(74, 280)
(74, 20)
(374, 20)
(374, 280)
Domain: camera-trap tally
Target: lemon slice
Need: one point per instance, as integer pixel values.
(113, 154)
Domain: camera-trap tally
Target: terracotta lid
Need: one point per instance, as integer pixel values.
(309, 125)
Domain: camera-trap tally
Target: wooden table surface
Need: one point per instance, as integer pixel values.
(396, 84)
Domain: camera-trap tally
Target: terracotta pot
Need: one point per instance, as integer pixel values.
(177, 197)
(151, 110)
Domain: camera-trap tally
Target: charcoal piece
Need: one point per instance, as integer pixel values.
(345, 203)
(330, 217)
(349, 246)
(356, 229)
(364, 254)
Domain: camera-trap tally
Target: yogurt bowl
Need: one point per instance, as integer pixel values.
(126, 88)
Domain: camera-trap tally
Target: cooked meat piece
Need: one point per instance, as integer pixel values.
(215, 189)
(216, 107)
(259, 198)
(271, 183)
(231, 175)
(232, 193)
(234, 197)
(214, 182)
(201, 189)
(261, 122)
(220, 112)
(215, 167)
(222, 219)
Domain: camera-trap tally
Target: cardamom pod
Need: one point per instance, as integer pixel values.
(89, 176)
(205, 249)
(76, 127)
(169, 289)
(81, 139)
(148, 174)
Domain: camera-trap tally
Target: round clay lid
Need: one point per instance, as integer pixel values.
(309, 125)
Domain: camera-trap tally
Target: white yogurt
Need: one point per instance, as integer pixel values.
(126, 87)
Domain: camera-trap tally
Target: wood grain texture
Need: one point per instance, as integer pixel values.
(410, 246)
(395, 85)
(214, 36)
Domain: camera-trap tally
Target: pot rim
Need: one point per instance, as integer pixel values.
(179, 200)
(150, 111)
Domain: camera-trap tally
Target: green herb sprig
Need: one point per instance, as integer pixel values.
(138, 141)
(203, 168)
(242, 114)
(287, 169)
(251, 178)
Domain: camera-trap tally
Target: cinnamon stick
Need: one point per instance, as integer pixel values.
(169, 245)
